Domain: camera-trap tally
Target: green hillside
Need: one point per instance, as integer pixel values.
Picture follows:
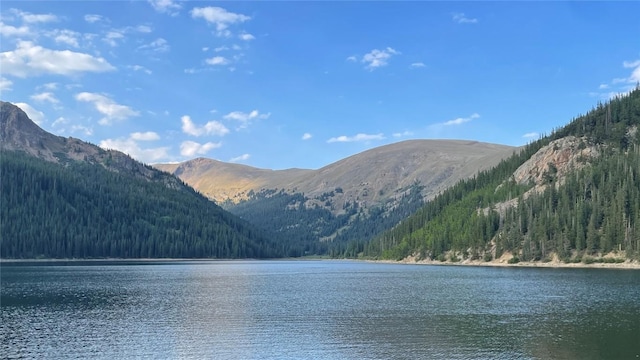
(82, 210)
(588, 212)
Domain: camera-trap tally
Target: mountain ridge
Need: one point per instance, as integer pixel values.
(370, 177)
(66, 198)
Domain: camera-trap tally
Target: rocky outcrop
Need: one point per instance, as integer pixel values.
(555, 160)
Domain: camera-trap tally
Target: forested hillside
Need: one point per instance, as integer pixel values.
(591, 210)
(66, 198)
(85, 211)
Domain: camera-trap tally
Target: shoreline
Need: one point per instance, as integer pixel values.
(627, 265)
(554, 264)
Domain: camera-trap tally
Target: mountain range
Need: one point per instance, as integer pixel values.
(573, 195)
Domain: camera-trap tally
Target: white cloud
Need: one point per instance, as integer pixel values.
(358, 137)
(45, 96)
(243, 157)
(145, 136)
(631, 64)
(8, 30)
(157, 45)
(461, 18)
(531, 135)
(460, 120)
(246, 37)
(64, 36)
(210, 128)
(418, 65)
(166, 6)
(107, 107)
(34, 18)
(635, 74)
(80, 128)
(402, 134)
(49, 86)
(352, 58)
(139, 68)
(130, 146)
(378, 58)
(217, 60)
(31, 60)
(92, 18)
(220, 17)
(191, 148)
(603, 86)
(33, 114)
(113, 37)
(306, 136)
(5, 84)
(245, 119)
(143, 28)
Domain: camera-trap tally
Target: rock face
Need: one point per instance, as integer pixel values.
(367, 178)
(19, 133)
(556, 159)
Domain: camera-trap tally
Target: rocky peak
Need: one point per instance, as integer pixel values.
(19, 133)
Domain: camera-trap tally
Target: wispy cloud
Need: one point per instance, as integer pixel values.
(460, 120)
(29, 60)
(620, 85)
(166, 6)
(145, 136)
(245, 119)
(5, 84)
(357, 138)
(461, 18)
(10, 30)
(93, 18)
(210, 128)
(378, 58)
(246, 37)
(157, 45)
(402, 134)
(191, 148)
(45, 97)
(34, 18)
(243, 157)
(140, 68)
(219, 17)
(306, 136)
(418, 65)
(130, 146)
(531, 135)
(217, 60)
(111, 110)
(36, 115)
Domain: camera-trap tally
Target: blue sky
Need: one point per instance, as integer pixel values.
(303, 84)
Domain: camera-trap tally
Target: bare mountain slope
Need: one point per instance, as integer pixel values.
(367, 178)
(19, 133)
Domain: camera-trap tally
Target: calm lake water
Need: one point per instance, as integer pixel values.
(316, 310)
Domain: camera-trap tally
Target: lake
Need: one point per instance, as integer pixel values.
(316, 310)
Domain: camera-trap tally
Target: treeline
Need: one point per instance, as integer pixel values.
(85, 211)
(595, 210)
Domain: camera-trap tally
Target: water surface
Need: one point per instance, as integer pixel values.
(316, 310)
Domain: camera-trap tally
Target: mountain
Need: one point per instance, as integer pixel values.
(318, 211)
(369, 178)
(571, 196)
(65, 198)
